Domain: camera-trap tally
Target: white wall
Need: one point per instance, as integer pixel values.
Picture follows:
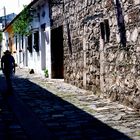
(4, 42)
(41, 60)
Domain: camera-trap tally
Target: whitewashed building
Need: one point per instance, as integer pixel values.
(39, 58)
(43, 48)
(32, 51)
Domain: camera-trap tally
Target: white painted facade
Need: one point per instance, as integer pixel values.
(39, 61)
(5, 41)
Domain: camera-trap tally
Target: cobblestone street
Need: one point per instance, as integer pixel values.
(70, 70)
(10, 128)
(70, 113)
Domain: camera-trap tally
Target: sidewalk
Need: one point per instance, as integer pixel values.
(70, 113)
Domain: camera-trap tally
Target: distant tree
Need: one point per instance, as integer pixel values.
(21, 24)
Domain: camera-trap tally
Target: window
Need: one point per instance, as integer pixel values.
(29, 43)
(105, 30)
(36, 41)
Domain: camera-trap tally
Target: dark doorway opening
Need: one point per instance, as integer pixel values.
(57, 52)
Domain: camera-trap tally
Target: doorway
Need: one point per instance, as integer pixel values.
(57, 53)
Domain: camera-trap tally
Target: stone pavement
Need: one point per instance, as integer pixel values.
(67, 112)
(70, 113)
(10, 128)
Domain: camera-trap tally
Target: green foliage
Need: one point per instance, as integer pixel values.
(1, 37)
(46, 73)
(21, 24)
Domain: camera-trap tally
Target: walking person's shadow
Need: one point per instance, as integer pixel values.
(9, 88)
(6, 88)
(62, 119)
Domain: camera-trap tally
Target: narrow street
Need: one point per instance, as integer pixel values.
(51, 109)
(77, 70)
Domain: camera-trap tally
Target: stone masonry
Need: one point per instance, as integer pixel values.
(102, 46)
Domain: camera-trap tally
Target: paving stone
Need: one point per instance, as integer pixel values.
(68, 110)
(10, 127)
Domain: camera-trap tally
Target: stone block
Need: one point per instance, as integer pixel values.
(137, 2)
(134, 35)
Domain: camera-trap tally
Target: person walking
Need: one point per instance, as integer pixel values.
(8, 67)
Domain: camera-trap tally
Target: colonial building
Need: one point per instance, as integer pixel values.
(101, 46)
(32, 51)
(38, 44)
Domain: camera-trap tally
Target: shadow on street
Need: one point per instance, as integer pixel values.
(61, 118)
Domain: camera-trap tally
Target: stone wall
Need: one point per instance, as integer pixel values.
(98, 57)
(122, 70)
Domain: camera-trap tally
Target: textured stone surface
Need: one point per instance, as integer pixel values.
(96, 66)
(70, 112)
(10, 128)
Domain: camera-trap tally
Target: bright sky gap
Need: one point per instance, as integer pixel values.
(12, 6)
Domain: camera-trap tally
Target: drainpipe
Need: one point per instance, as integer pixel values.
(102, 58)
(102, 65)
(84, 61)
